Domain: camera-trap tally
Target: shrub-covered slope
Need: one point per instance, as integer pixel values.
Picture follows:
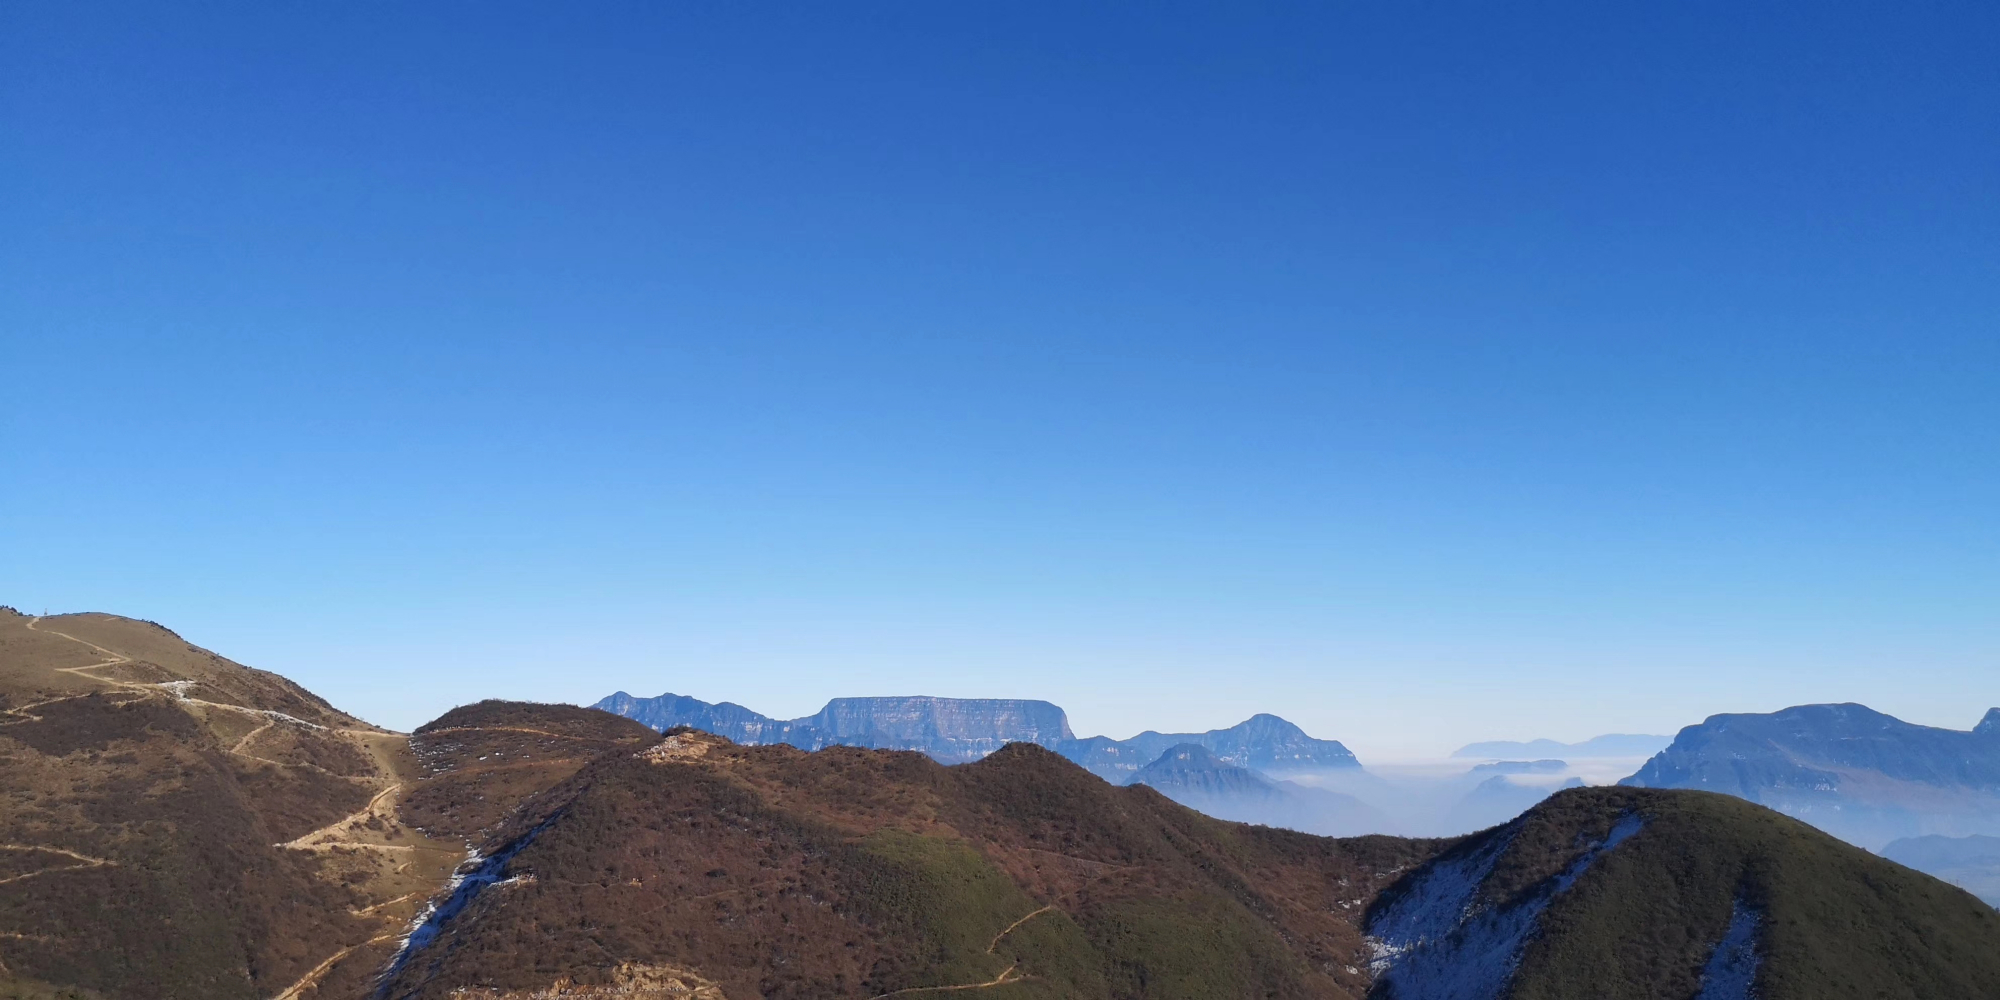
(170, 821)
(1633, 894)
(772, 872)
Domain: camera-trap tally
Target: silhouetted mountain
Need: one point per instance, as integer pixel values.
(956, 730)
(1496, 800)
(1262, 742)
(1866, 777)
(1971, 863)
(1192, 776)
(1609, 745)
(1521, 767)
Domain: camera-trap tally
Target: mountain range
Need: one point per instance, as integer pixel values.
(959, 730)
(179, 825)
(1863, 776)
(1192, 775)
(1608, 745)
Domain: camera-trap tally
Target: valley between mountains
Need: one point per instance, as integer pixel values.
(178, 825)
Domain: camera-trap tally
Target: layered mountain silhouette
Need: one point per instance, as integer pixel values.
(1194, 777)
(179, 825)
(950, 730)
(1863, 776)
(1971, 863)
(958, 730)
(1608, 745)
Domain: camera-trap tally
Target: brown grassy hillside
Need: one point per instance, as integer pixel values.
(768, 871)
(175, 824)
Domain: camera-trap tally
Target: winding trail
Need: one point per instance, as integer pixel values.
(86, 861)
(1007, 975)
(1017, 923)
(318, 972)
(177, 688)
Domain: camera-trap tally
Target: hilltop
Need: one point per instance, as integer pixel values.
(183, 826)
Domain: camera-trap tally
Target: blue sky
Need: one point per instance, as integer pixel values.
(1421, 373)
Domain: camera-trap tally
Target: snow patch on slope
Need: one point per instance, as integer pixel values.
(1434, 943)
(1732, 967)
(471, 879)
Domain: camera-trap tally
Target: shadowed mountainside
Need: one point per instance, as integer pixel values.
(1863, 776)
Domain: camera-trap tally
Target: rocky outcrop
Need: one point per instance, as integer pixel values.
(1854, 772)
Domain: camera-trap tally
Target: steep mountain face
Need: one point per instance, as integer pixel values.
(1608, 745)
(950, 730)
(178, 825)
(957, 730)
(766, 871)
(1859, 774)
(1971, 863)
(1192, 776)
(1633, 894)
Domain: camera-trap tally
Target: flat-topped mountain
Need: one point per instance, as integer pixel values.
(696, 867)
(950, 730)
(1864, 776)
(957, 730)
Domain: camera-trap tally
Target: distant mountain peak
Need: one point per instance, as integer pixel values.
(1856, 772)
(959, 730)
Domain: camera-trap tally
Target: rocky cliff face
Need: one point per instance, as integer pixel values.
(950, 730)
(958, 730)
(1859, 774)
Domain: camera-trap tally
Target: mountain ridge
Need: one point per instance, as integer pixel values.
(960, 730)
(1863, 775)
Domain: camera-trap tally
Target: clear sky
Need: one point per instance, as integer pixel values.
(1422, 373)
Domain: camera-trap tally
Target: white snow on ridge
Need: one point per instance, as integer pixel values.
(1732, 967)
(1433, 943)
